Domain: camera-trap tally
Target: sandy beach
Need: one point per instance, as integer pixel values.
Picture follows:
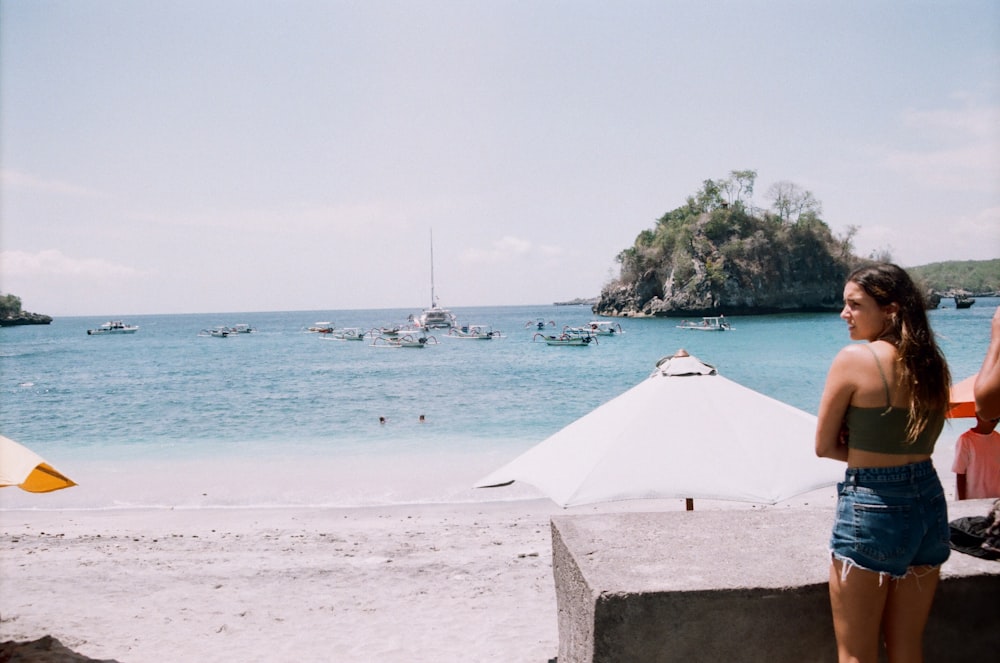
(456, 582)
(428, 583)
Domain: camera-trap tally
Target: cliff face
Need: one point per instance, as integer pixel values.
(696, 297)
(732, 265)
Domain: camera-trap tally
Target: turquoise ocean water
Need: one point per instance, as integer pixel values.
(168, 418)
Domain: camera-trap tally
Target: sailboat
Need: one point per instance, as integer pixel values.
(435, 317)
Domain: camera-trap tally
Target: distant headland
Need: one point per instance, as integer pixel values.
(579, 301)
(11, 314)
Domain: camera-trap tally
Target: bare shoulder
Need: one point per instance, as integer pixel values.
(853, 357)
(855, 369)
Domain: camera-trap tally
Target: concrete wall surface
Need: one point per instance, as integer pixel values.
(745, 585)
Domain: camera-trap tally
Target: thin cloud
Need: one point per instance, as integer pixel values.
(508, 250)
(52, 262)
(975, 122)
(966, 157)
(17, 180)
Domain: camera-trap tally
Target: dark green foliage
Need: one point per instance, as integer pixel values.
(978, 276)
(10, 306)
(734, 245)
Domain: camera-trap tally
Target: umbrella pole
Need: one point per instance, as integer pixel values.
(689, 504)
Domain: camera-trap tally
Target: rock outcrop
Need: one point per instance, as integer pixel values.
(649, 297)
(25, 318)
(44, 650)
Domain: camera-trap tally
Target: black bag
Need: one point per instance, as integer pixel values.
(968, 535)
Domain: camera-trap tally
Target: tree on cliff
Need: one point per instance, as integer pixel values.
(714, 255)
(10, 306)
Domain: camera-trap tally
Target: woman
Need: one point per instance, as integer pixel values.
(882, 410)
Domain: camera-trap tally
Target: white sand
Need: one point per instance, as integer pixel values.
(442, 583)
(462, 582)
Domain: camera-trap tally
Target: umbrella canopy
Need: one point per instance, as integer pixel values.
(20, 466)
(684, 432)
(962, 399)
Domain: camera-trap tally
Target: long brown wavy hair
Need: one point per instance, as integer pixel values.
(920, 362)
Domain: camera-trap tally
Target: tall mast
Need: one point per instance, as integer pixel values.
(433, 299)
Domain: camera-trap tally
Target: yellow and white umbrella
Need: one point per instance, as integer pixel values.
(20, 466)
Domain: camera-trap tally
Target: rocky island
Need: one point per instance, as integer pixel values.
(11, 314)
(718, 254)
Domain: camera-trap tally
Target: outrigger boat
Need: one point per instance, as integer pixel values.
(566, 339)
(597, 328)
(405, 341)
(707, 324)
(218, 332)
(346, 334)
(539, 324)
(474, 332)
(323, 327)
(113, 327)
(394, 331)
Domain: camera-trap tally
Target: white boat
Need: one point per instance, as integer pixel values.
(322, 327)
(598, 328)
(113, 327)
(539, 324)
(346, 334)
(218, 332)
(707, 324)
(396, 331)
(435, 317)
(405, 341)
(578, 340)
(474, 332)
(242, 328)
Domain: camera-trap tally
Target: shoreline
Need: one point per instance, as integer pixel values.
(307, 480)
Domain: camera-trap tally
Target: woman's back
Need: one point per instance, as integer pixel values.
(878, 416)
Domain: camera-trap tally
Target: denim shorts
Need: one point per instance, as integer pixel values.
(891, 518)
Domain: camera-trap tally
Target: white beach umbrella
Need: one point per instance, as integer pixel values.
(20, 466)
(684, 432)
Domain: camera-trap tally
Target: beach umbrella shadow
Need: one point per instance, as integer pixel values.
(683, 432)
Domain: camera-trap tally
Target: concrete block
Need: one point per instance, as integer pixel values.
(734, 585)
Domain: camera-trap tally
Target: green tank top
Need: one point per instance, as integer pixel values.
(883, 429)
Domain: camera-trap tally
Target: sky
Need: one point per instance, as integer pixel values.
(190, 156)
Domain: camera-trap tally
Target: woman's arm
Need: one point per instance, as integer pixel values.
(830, 432)
(987, 389)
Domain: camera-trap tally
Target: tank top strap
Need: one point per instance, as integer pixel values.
(885, 383)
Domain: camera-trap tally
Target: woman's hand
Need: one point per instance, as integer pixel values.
(987, 387)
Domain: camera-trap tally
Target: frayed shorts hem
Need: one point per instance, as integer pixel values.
(847, 564)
